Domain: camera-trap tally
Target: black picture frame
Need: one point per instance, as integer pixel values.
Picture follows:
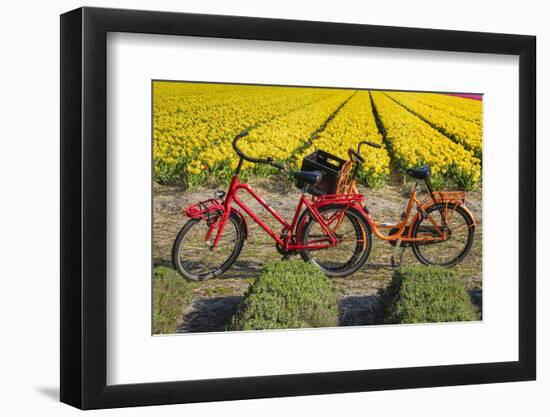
(84, 207)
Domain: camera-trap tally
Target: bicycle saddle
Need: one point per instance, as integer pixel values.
(309, 177)
(420, 173)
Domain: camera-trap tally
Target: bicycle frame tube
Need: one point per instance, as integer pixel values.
(398, 235)
(231, 196)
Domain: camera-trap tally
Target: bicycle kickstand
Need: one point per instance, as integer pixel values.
(394, 252)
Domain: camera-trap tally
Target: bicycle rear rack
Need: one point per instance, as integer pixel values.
(455, 197)
(458, 197)
(205, 209)
(340, 198)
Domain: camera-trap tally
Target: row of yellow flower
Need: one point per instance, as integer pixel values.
(452, 121)
(414, 142)
(194, 124)
(278, 139)
(354, 123)
(190, 117)
(466, 108)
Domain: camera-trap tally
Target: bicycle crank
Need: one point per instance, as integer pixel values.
(286, 253)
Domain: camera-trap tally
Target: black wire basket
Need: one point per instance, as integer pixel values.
(329, 165)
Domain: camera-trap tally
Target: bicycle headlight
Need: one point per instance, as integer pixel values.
(219, 194)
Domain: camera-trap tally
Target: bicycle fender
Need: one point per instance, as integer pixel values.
(300, 227)
(243, 220)
(467, 210)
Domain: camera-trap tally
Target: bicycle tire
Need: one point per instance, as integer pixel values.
(233, 220)
(361, 252)
(418, 247)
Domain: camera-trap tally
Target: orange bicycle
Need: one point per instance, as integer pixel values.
(441, 229)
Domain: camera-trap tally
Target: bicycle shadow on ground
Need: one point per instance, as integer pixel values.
(241, 269)
(210, 314)
(360, 310)
(476, 296)
(380, 266)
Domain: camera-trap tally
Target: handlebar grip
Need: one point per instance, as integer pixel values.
(374, 145)
(355, 155)
(271, 162)
(241, 154)
(242, 134)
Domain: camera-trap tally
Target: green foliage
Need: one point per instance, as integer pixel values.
(422, 294)
(438, 182)
(164, 173)
(170, 293)
(222, 172)
(287, 295)
(371, 179)
(465, 180)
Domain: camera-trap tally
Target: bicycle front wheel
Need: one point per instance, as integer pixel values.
(459, 226)
(354, 240)
(194, 257)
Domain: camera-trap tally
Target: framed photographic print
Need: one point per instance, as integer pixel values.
(259, 207)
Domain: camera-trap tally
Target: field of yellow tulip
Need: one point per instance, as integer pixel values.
(354, 123)
(191, 116)
(194, 124)
(278, 139)
(413, 142)
(459, 125)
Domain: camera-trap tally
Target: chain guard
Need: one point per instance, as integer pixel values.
(405, 232)
(431, 229)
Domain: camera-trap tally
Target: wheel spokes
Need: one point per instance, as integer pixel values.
(351, 241)
(198, 257)
(457, 229)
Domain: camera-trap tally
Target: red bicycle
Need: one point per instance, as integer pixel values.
(327, 230)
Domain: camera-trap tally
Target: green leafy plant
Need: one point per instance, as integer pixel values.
(466, 180)
(422, 294)
(371, 179)
(288, 294)
(170, 293)
(438, 182)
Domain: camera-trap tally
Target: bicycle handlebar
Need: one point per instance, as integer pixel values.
(355, 156)
(374, 145)
(269, 160)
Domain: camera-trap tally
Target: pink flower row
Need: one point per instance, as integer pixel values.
(472, 96)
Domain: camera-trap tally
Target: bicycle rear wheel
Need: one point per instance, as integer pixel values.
(196, 260)
(354, 240)
(459, 227)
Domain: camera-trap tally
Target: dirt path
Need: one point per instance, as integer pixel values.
(215, 301)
